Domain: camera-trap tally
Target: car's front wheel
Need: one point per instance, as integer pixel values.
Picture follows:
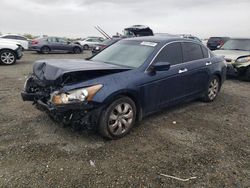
(77, 50)
(7, 57)
(85, 47)
(212, 90)
(118, 118)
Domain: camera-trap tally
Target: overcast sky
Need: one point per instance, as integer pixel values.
(77, 18)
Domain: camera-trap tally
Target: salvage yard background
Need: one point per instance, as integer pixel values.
(208, 141)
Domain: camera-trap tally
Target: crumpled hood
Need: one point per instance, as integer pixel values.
(53, 69)
(231, 54)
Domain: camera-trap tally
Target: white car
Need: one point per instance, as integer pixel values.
(16, 38)
(90, 42)
(9, 52)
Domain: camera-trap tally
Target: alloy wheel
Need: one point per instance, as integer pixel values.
(8, 58)
(120, 119)
(213, 89)
(86, 47)
(77, 50)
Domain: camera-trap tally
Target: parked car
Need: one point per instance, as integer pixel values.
(90, 42)
(138, 31)
(10, 52)
(237, 54)
(103, 45)
(54, 44)
(215, 43)
(16, 38)
(118, 86)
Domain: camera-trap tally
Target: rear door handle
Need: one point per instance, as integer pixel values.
(182, 70)
(208, 63)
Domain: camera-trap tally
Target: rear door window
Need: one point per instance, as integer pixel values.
(61, 40)
(172, 53)
(191, 51)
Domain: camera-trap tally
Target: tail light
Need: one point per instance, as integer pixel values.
(103, 46)
(34, 42)
(221, 42)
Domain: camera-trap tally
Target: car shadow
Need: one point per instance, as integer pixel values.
(90, 131)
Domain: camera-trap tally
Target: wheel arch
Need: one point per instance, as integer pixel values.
(77, 47)
(45, 46)
(7, 49)
(218, 74)
(126, 93)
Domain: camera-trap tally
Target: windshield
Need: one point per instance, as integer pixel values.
(126, 53)
(237, 44)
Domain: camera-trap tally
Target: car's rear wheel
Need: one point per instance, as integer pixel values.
(118, 118)
(85, 47)
(77, 50)
(7, 57)
(212, 90)
(45, 50)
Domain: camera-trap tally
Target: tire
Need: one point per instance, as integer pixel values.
(45, 50)
(77, 50)
(246, 75)
(118, 118)
(7, 57)
(85, 47)
(212, 90)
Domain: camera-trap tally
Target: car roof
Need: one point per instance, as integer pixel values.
(11, 35)
(159, 39)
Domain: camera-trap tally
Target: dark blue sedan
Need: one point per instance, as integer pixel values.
(125, 82)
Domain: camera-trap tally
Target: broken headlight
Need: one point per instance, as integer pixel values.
(243, 60)
(75, 96)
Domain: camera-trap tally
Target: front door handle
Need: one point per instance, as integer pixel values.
(182, 70)
(208, 63)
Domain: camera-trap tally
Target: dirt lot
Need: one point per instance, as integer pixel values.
(208, 141)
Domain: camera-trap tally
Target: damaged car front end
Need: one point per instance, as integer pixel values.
(47, 87)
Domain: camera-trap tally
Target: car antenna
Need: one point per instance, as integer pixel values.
(102, 32)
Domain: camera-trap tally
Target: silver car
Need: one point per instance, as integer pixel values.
(90, 42)
(236, 52)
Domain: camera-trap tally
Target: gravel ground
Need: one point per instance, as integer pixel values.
(208, 141)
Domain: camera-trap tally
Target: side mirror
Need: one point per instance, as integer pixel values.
(161, 66)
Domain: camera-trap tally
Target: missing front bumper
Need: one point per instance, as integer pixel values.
(85, 114)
